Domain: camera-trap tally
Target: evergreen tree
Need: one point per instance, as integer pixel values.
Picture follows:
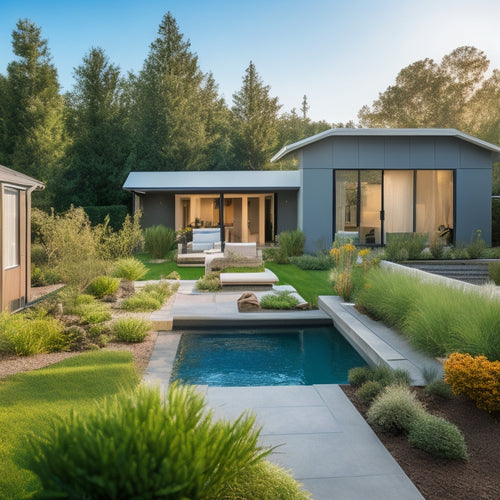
(97, 121)
(178, 115)
(255, 117)
(34, 142)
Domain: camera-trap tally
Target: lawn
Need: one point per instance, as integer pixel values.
(163, 269)
(309, 284)
(29, 401)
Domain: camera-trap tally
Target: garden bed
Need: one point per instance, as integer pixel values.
(441, 479)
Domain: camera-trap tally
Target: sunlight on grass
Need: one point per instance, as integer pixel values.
(29, 401)
(309, 284)
(163, 269)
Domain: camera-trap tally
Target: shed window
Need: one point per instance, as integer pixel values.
(11, 231)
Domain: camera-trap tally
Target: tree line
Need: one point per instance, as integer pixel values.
(170, 116)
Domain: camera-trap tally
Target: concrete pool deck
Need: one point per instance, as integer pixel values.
(322, 439)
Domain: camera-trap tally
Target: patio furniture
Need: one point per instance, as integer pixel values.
(245, 250)
(266, 278)
(205, 239)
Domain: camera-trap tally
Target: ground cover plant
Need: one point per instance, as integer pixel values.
(150, 298)
(209, 282)
(437, 319)
(30, 400)
(279, 300)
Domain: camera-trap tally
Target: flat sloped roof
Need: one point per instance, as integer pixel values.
(386, 132)
(214, 181)
(13, 177)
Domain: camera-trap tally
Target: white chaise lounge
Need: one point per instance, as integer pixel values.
(266, 278)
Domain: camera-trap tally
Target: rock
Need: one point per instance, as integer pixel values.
(248, 302)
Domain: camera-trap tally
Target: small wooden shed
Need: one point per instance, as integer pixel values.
(15, 237)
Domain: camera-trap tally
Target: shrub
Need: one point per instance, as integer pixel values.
(280, 300)
(437, 436)
(313, 262)
(477, 378)
(477, 246)
(172, 450)
(68, 238)
(131, 329)
(141, 303)
(369, 391)
(159, 240)
(103, 286)
(130, 269)
(25, 336)
(161, 291)
(210, 282)
(440, 389)
(274, 255)
(264, 481)
(358, 375)
(38, 255)
(494, 272)
(404, 246)
(292, 243)
(174, 275)
(436, 247)
(395, 409)
(94, 312)
(128, 240)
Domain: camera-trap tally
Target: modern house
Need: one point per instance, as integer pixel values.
(15, 241)
(361, 182)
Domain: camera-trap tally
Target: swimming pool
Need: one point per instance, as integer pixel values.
(271, 356)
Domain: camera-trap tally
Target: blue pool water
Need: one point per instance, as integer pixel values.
(306, 356)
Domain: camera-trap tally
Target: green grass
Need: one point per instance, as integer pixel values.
(29, 401)
(309, 284)
(156, 271)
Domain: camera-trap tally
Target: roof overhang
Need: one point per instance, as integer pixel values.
(10, 176)
(387, 132)
(239, 181)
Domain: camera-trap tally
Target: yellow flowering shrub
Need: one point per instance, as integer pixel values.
(476, 377)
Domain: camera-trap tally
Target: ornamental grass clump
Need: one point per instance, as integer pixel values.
(102, 286)
(280, 300)
(131, 329)
(369, 391)
(140, 446)
(150, 298)
(395, 410)
(209, 282)
(159, 241)
(26, 336)
(130, 269)
(437, 436)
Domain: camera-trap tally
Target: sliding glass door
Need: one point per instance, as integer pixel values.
(371, 203)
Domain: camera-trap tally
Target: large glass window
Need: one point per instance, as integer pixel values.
(370, 207)
(398, 201)
(346, 201)
(11, 230)
(434, 204)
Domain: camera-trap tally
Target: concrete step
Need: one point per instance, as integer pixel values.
(475, 272)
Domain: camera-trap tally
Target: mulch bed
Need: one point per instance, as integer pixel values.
(440, 479)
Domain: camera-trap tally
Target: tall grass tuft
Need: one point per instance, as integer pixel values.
(436, 318)
(130, 269)
(164, 450)
(159, 241)
(292, 242)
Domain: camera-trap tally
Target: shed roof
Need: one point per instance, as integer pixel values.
(387, 132)
(13, 177)
(214, 181)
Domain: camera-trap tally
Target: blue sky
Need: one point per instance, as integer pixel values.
(341, 54)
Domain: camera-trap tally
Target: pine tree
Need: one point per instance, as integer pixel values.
(255, 115)
(178, 115)
(97, 121)
(34, 111)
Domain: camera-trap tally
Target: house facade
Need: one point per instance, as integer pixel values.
(15, 240)
(360, 182)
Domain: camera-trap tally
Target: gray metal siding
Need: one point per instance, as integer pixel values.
(286, 217)
(473, 204)
(316, 207)
(158, 208)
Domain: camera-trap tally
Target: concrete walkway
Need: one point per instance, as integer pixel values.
(322, 439)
